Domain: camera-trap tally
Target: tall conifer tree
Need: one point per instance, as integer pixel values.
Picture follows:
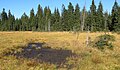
(77, 17)
(115, 17)
(100, 18)
(40, 18)
(93, 16)
(70, 17)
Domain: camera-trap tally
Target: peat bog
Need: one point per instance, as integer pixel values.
(36, 51)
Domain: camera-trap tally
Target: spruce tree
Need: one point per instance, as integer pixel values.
(4, 20)
(17, 25)
(4, 15)
(33, 21)
(109, 22)
(0, 21)
(115, 17)
(119, 19)
(100, 18)
(11, 22)
(58, 25)
(93, 16)
(77, 18)
(0, 17)
(24, 20)
(117, 25)
(40, 18)
(55, 20)
(32, 15)
(64, 19)
(70, 17)
(88, 21)
(47, 18)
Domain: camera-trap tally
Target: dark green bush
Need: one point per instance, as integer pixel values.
(104, 41)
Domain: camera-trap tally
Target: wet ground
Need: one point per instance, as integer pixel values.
(44, 54)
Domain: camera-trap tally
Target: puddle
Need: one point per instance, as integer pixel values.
(39, 53)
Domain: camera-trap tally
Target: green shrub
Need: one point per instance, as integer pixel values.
(104, 41)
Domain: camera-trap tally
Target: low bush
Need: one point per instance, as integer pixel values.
(104, 41)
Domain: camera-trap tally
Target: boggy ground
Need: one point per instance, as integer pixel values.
(38, 53)
(55, 51)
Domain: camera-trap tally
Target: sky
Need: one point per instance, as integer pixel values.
(18, 7)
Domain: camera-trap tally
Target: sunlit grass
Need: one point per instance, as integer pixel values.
(86, 58)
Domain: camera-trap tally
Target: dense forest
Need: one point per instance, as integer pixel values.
(70, 19)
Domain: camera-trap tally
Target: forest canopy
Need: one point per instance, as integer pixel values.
(69, 19)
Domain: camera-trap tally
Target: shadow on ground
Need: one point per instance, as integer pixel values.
(44, 54)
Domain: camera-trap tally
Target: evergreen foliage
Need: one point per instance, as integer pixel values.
(115, 17)
(93, 16)
(100, 18)
(55, 20)
(77, 20)
(69, 19)
(39, 16)
(104, 41)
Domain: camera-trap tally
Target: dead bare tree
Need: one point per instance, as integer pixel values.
(83, 18)
(49, 25)
(105, 25)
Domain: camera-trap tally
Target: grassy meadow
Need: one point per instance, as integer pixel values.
(61, 51)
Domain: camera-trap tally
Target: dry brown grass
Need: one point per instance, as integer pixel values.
(87, 58)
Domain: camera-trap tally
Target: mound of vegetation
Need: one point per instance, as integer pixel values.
(104, 41)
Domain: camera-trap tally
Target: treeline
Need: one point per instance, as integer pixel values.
(71, 19)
